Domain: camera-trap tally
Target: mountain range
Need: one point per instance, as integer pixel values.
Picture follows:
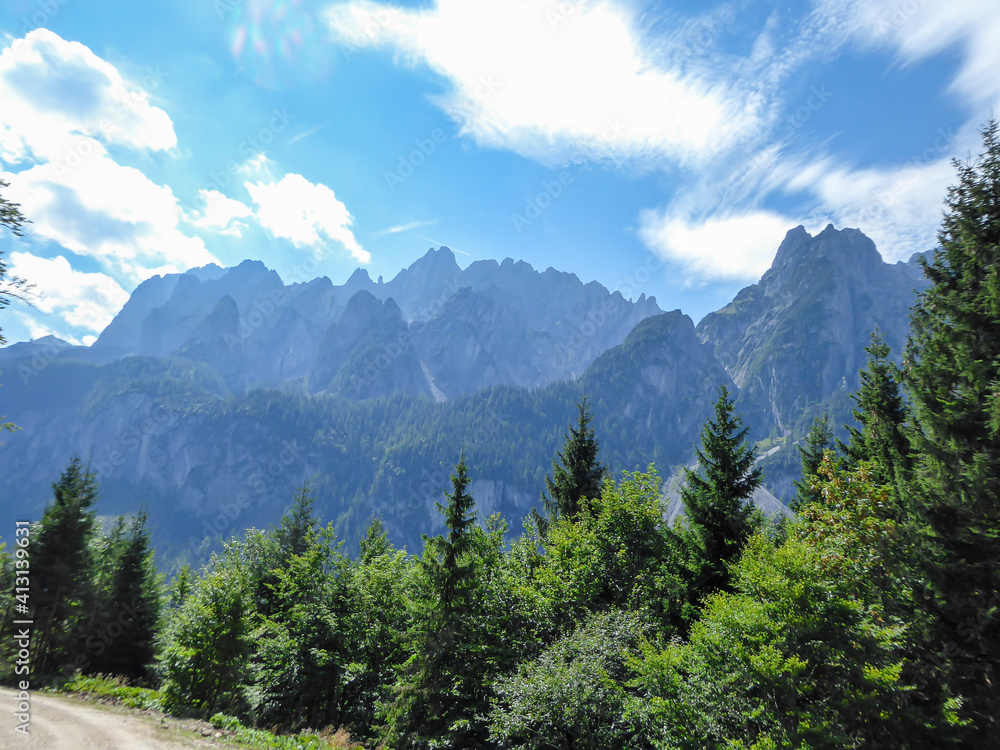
(215, 393)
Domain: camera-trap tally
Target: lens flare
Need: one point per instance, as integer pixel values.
(279, 43)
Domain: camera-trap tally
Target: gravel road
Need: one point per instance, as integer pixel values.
(62, 723)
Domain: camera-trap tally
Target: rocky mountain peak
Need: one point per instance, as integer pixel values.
(844, 247)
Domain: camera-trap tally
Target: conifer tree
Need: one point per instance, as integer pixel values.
(298, 526)
(441, 687)
(576, 472)
(818, 441)
(61, 568)
(953, 373)
(719, 515)
(882, 414)
(134, 607)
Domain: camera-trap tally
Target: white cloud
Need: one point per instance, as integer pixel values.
(83, 300)
(62, 107)
(112, 213)
(737, 247)
(221, 214)
(919, 29)
(305, 213)
(898, 207)
(56, 92)
(557, 80)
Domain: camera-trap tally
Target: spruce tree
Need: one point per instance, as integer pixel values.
(441, 688)
(719, 514)
(882, 414)
(298, 527)
(818, 441)
(953, 373)
(61, 569)
(134, 601)
(576, 472)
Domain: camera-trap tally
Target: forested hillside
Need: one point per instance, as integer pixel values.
(198, 404)
(871, 619)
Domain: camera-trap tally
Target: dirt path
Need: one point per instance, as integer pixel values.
(61, 723)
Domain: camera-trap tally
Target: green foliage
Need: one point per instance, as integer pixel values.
(805, 653)
(617, 553)
(10, 215)
(818, 441)
(244, 736)
(120, 637)
(205, 651)
(300, 651)
(115, 689)
(11, 286)
(953, 374)
(377, 621)
(61, 590)
(442, 683)
(719, 516)
(882, 415)
(571, 697)
(576, 472)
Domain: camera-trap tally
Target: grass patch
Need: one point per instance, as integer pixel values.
(117, 689)
(339, 740)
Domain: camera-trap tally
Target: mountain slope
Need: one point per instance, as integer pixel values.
(252, 388)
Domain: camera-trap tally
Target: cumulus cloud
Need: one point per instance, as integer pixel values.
(306, 214)
(63, 106)
(108, 212)
(83, 300)
(56, 92)
(739, 247)
(553, 80)
(221, 214)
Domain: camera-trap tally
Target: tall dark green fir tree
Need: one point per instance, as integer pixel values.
(719, 515)
(441, 689)
(882, 415)
(61, 568)
(952, 368)
(126, 647)
(576, 472)
(818, 441)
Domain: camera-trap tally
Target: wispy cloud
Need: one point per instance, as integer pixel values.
(399, 228)
(306, 133)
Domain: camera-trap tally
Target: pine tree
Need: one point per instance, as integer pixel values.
(61, 568)
(576, 472)
(719, 514)
(953, 373)
(882, 414)
(298, 526)
(818, 441)
(441, 687)
(456, 571)
(134, 605)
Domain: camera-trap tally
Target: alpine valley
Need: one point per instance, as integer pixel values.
(225, 390)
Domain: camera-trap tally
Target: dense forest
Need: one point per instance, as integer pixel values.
(872, 619)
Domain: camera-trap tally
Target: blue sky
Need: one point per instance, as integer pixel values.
(652, 146)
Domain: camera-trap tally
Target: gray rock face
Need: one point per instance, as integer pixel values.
(215, 394)
(797, 337)
(433, 329)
